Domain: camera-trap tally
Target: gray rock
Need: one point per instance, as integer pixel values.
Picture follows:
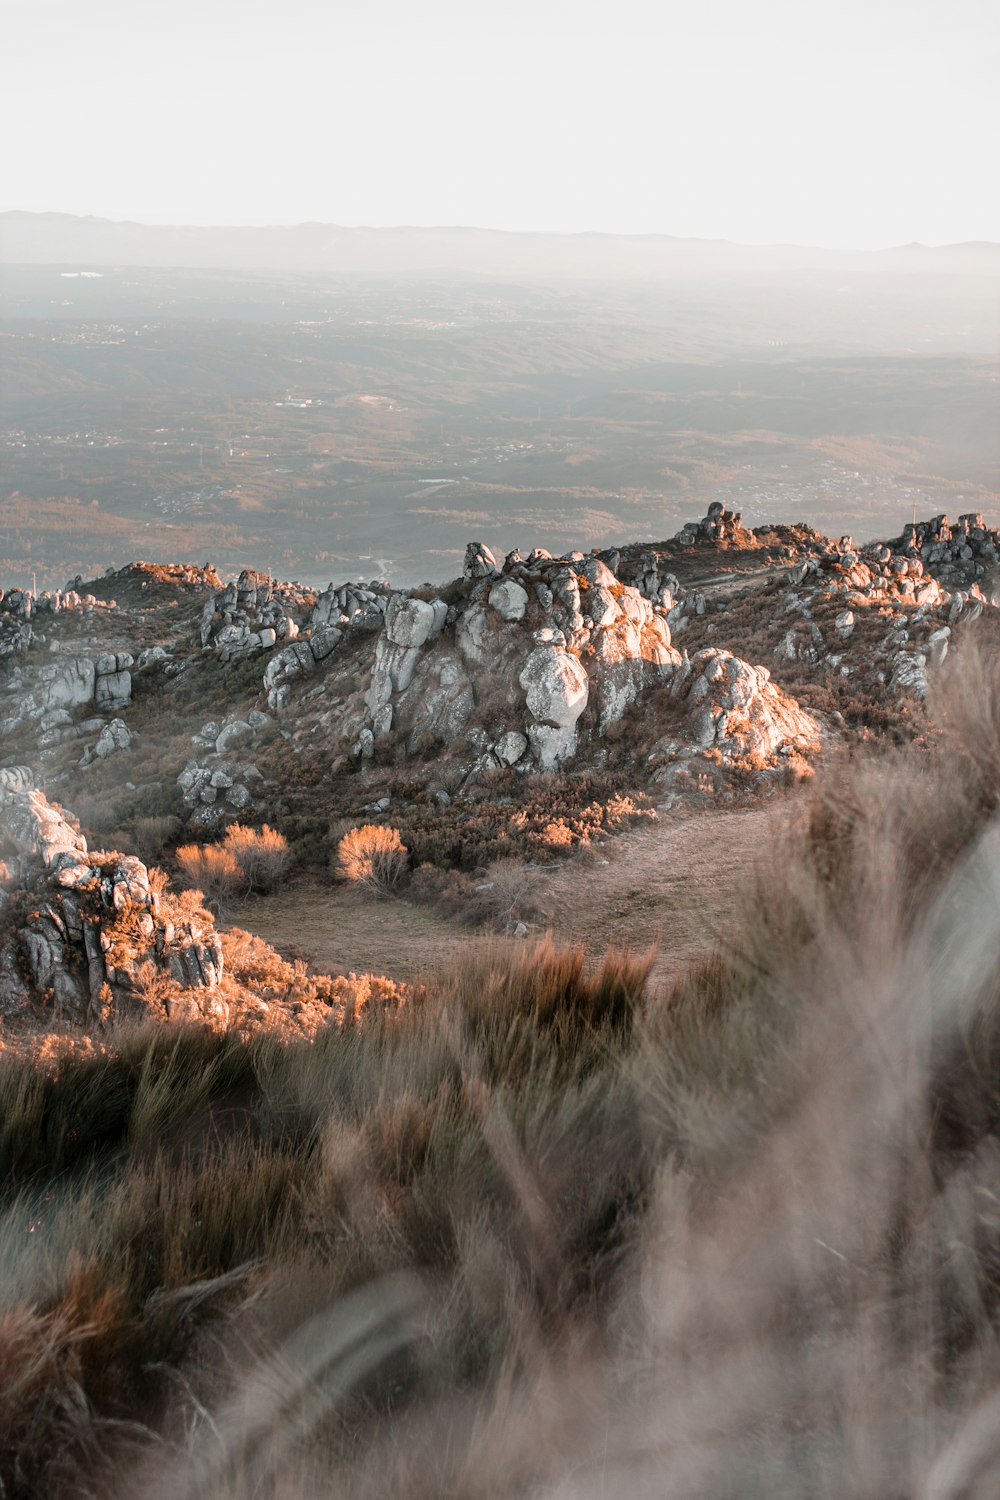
(114, 689)
(324, 641)
(510, 747)
(232, 734)
(114, 736)
(66, 684)
(411, 622)
(152, 654)
(16, 779)
(479, 561)
(509, 600)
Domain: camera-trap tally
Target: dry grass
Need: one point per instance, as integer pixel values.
(542, 1231)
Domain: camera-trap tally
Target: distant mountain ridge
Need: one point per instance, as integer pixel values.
(68, 239)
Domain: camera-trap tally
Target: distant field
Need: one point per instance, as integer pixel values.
(335, 429)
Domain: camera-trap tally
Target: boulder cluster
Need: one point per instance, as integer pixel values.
(719, 525)
(919, 609)
(957, 551)
(57, 688)
(21, 611)
(733, 712)
(85, 935)
(531, 646)
(215, 785)
(352, 606)
(253, 614)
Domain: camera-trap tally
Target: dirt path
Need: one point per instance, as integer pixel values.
(671, 884)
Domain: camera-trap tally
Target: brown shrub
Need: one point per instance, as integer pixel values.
(511, 893)
(263, 855)
(450, 891)
(147, 837)
(373, 857)
(212, 870)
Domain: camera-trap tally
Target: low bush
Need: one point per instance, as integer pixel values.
(211, 869)
(262, 854)
(373, 857)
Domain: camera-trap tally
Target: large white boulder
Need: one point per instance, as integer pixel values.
(66, 684)
(412, 622)
(509, 599)
(555, 686)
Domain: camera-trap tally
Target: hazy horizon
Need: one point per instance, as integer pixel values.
(148, 222)
(870, 129)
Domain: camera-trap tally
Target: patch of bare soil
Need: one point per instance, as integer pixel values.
(672, 883)
(338, 930)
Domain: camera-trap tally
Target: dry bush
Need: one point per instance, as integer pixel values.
(147, 837)
(373, 857)
(510, 892)
(452, 892)
(263, 855)
(212, 870)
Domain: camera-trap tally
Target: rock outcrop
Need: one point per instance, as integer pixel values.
(521, 657)
(735, 716)
(253, 614)
(85, 936)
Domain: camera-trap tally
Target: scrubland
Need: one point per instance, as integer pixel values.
(547, 1226)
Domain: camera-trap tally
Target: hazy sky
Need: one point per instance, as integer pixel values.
(836, 122)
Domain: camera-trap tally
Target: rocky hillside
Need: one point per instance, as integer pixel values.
(532, 703)
(530, 664)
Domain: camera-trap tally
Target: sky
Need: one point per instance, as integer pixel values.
(849, 123)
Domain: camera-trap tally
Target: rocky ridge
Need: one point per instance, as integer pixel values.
(529, 664)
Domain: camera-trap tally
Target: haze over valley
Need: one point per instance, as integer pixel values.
(345, 423)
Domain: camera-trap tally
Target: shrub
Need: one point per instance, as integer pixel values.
(211, 869)
(450, 891)
(147, 837)
(510, 894)
(263, 856)
(372, 856)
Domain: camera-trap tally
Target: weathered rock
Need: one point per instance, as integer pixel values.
(283, 668)
(231, 734)
(16, 779)
(93, 932)
(114, 736)
(113, 689)
(556, 690)
(509, 600)
(66, 684)
(324, 641)
(909, 675)
(412, 622)
(510, 747)
(735, 708)
(479, 561)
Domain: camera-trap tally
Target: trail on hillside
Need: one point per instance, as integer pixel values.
(672, 883)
